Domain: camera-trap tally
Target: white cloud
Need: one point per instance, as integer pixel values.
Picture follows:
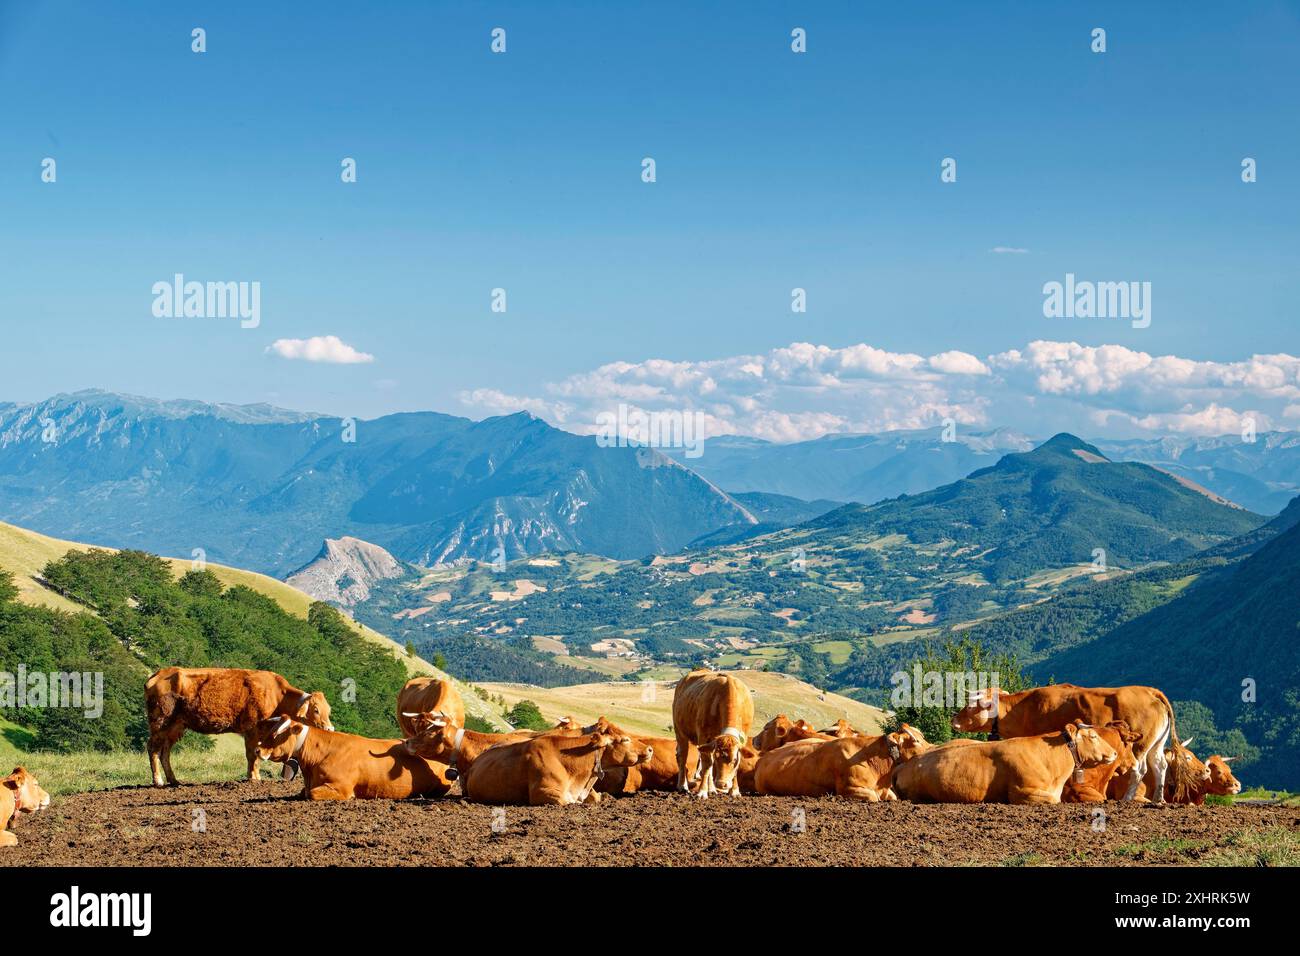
(803, 391)
(319, 348)
(1008, 251)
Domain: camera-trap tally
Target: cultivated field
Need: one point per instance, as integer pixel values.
(261, 824)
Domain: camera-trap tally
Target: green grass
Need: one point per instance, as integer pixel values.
(1274, 846)
(79, 772)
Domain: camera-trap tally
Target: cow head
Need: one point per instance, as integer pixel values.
(1089, 746)
(977, 716)
(907, 742)
(1119, 736)
(774, 733)
(436, 739)
(278, 738)
(315, 711)
(1185, 765)
(1222, 782)
(567, 723)
(621, 750)
(725, 751)
(841, 729)
(27, 793)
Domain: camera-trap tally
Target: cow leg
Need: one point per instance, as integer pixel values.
(250, 751)
(327, 792)
(1031, 795)
(1159, 766)
(1135, 776)
(170, 736)
(861, 793)
(706, 776)
(155, 758)
(8, 838)
(683, 753)
(548, 796)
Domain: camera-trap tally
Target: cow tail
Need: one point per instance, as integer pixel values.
(1180, 769)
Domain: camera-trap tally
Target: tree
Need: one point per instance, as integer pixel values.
(410, 648)
(952, 667)
(526, 716)
(8, 590)
(439, 661)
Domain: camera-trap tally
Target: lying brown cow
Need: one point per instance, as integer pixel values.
(1214, 776)
(339, 766)
(1015, 770)
(712, 713)
(428, 696)
(1091, 785)
(19, 793)
(861, 768)
(1042, 710)
(449, 744)
(220, 700)
(549, 769)
(782, 730)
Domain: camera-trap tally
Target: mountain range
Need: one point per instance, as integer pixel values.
(262, 488)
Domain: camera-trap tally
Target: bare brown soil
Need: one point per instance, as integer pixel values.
(263, 824)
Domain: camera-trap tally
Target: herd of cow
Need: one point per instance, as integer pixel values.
(1052, 744)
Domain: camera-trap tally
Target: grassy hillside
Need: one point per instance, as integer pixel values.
(26, 553)
(624, 703)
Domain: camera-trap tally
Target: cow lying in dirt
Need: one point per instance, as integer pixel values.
(858, 767)
(219, 700)
(19, 793)
(339, 766)
(550, 769)
(1211, 777)
(445, 742)
(1091, 785)
(1015, 770)
(782, 730)
(424, 698)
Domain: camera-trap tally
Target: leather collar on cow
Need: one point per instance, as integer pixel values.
(1074, 752)
(453, 766)
(993, 733)
(733, 732)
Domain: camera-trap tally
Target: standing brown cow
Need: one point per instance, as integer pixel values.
(220, 700)
(711, 713)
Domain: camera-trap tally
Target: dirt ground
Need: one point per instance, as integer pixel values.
(262, 824)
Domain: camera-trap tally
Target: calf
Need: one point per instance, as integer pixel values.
(426, 697)
(858, 767)
(19, 793)
(712, 714)
(1015, 770)
(339, 766)
(220, 700)
(550, 769)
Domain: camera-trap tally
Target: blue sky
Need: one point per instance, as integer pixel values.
(775, 170)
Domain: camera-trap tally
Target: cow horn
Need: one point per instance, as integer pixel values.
(1230, 759)
(1188, 742)
(407, 713)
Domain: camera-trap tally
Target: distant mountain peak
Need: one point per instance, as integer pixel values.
(1066, 443)
(344, 571)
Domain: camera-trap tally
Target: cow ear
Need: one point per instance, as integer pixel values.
(11, 782)
(1070, 730)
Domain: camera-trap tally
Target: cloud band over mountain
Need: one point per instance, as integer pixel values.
(803, 391)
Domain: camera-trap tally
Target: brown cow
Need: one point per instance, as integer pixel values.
(782, 730)
(549, 769)
(220, 700)
(1042, 710)
(1014, 770)
(449, 744)
(1092, 785)
(339, 766)
(19, 793)
(424, 696)
(858, 767)
(712, 713)
(1214, 776)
